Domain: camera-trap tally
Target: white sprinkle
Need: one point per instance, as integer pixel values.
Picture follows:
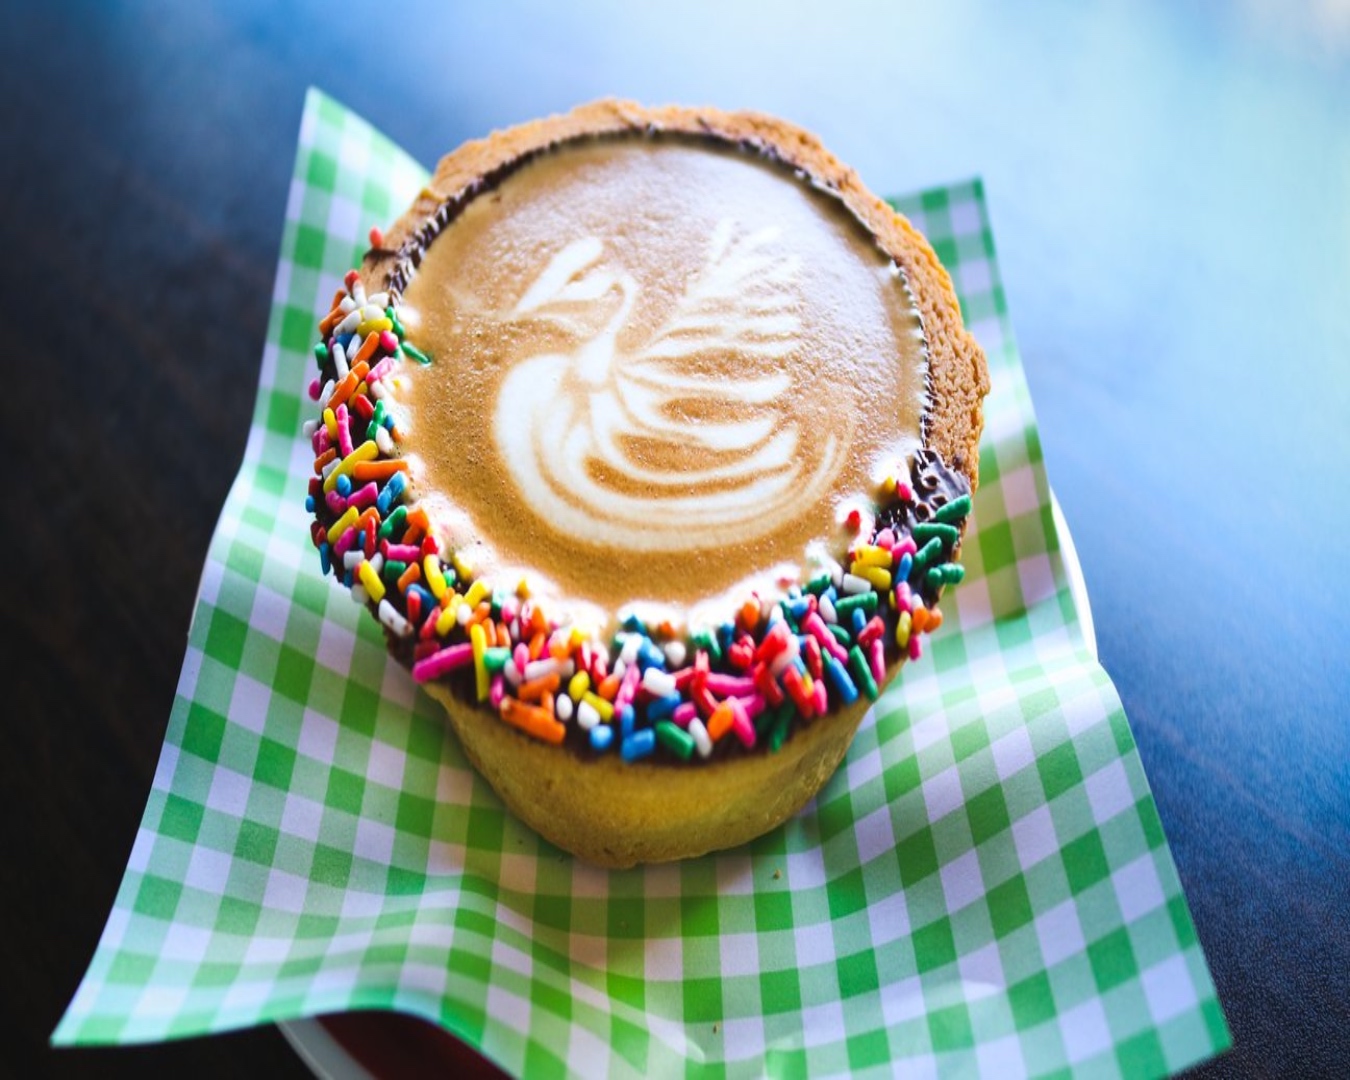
(658, 683)
(347, 303)
(359, 593)
(379, 301)
(463, 615)
(384, 441)
(352, 559)
(309, 427)
(540, 669)
(675, 653)
(587, 716)
(349, 324)
(391, 618)
(326, 394)
(562, 705)
(511, 672)
(619, 668)
(780, 663)
(702, 741)
(827, 611)
(358, 292)
(853, 585)
(340, 360)
(631, 646)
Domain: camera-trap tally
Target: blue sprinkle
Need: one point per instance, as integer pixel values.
(661, 708)
(626, 717)
(650, 655)
(632, 623)
(325, 559)
(428, 601)
(799, 607)
(831, 594)
(906, 565)
(344, 485)
(726, 633)
(601, 736)
(839, 676)
(309, 504)
(393, 490)
(859, 620)
(637, 745)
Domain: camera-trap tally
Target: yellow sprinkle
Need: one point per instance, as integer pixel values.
(870, 555)
(367, 451)
(600, 705)
(523, 588)
(371, 580)
(578, 685)
(373, 325)
(478, 639)
(902, 625)
(447, 620)
(578, 638)
(431, 570)
(342, 524)
(479, 591)
(330, 422)
(888, 485)
(463, 567)
(878, 577)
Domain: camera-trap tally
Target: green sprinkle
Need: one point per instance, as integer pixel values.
(416, 353)
(321, 353)
(495, 659)
(928, 530)
(393, 523)
(946, 574)
(867, 601)
(953, 511)
(818, 584)
(782, 720)
(707, 641)
(840, 634)
(675, 739)
(926, 554)
(392, 316)
(857, 663)
(393, 569)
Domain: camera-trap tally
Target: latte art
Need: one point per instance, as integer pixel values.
(655, 370)
(581, 431)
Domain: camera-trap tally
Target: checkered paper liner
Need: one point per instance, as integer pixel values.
(984, 886)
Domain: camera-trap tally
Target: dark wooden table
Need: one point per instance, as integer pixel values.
(1171, 198)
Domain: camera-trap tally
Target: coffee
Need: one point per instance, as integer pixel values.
(663, 371)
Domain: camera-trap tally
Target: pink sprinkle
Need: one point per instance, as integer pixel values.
(684, 712)
(904, 597)
(871, 631)
(627, 687)
(497, 691)
(380, 370)
(364, 495)
(315, 388)
(336, 502)
(885, 539)
(521, 656)
(814, 625)
(401, 552)
(387, 341)
(876, 652)
(741, 725)
(376, 237)
(321, 440)
(905, 492)
(438, 663)
(346, 541)
(344, 431)
(821, 701)
(729, 685)
(904, 547)
(753, 705)
(915, 648)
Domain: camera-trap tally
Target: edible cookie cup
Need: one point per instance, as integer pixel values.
(649, 435)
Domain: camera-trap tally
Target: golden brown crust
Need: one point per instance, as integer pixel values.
(958, 374)
(615, 813)
(618, 814)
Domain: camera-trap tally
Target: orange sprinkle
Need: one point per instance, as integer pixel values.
(537, 688)
(537, 645)
(919, 618)
(413, 573)
(368, 348)
(343, 390)
(719, 723)
(323, 459)
(378, 470)
(532, 720)
(609, 686)
(934, 619)
(559, 648)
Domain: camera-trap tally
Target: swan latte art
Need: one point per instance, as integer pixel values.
(655, 369)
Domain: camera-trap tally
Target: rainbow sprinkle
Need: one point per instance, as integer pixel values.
(744, 685)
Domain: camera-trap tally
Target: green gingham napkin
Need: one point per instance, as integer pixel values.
(984, 886)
